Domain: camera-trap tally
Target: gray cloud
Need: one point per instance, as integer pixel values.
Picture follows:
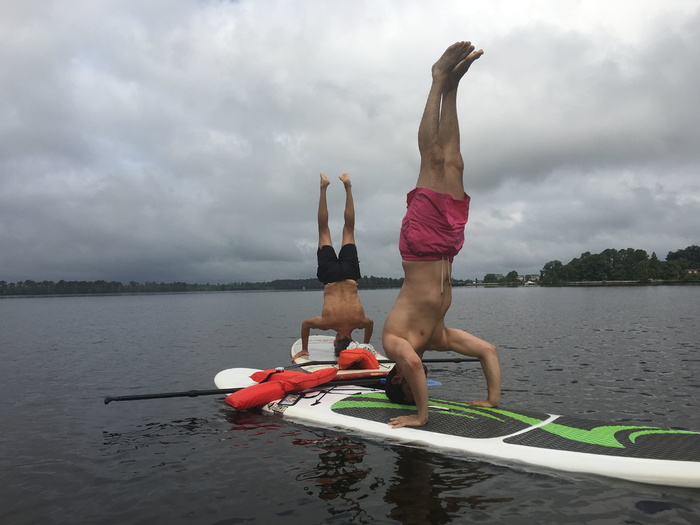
(159, 141)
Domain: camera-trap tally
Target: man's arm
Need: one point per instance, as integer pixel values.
(306, 326)
(415, 377)
(411, 367)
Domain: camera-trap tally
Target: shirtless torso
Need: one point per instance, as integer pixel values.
(342, 311)
(420, 308)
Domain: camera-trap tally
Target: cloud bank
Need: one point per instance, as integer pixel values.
(161, 141)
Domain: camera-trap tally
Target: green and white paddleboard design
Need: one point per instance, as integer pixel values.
(636, 453)
(534, 429)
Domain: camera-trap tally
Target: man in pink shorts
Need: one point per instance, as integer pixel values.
(433, 227)
(432, 233)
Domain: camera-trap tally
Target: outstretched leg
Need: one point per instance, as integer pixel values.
(349, 214)
(432, 167)
(448, 134)
(324, 232)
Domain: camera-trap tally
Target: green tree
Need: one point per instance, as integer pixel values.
(641, 272)
(512, 278)
(551, 272)
(677, 269)
(592, 267)
(654, 266)
(691, 254)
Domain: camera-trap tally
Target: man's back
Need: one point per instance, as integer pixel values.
(341, 304)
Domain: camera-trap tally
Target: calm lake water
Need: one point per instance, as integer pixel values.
(618, 354)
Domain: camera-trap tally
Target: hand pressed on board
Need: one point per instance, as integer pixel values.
(299, 354)
(407, 421)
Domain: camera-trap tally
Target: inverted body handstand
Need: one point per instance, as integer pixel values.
(342, 310)
(432, 233)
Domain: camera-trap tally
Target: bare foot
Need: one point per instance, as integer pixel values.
(483, 403)
(452, 56)
(345, 178)
(324, 181)
(461, 68)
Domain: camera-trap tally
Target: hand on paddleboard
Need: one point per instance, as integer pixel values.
(299, 354)
(407, 421)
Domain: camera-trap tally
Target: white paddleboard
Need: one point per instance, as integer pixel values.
(321, 349)
(636, 453)
(238, 377)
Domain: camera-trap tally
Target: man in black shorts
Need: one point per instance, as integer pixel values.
(342, 310)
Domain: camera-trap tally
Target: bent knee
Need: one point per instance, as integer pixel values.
(489, 351)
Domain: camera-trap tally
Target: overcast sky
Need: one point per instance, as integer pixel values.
(167, 140)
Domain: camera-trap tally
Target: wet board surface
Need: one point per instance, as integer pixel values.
(643, 454)
(321, 349)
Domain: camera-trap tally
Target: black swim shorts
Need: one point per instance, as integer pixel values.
(333, 268)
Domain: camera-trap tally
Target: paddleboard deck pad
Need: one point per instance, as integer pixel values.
(636, 453)
(321, 348)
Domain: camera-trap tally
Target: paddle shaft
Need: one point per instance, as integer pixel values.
(188, 393)
(196, 393)
(437, 360)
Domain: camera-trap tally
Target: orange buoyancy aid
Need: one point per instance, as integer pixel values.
(273, 384)
(357, 358)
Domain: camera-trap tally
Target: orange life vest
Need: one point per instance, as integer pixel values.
(275, 383)
(357, 358)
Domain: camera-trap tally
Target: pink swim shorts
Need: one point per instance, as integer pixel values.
(433, 227)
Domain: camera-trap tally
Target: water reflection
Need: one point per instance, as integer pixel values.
(427, 489)
(418, 486)
(338, 475)
(338, 468)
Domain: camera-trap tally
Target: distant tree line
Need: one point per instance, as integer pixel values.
(625, 265)
(114, 287)
(512, 279)
(609, 265)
